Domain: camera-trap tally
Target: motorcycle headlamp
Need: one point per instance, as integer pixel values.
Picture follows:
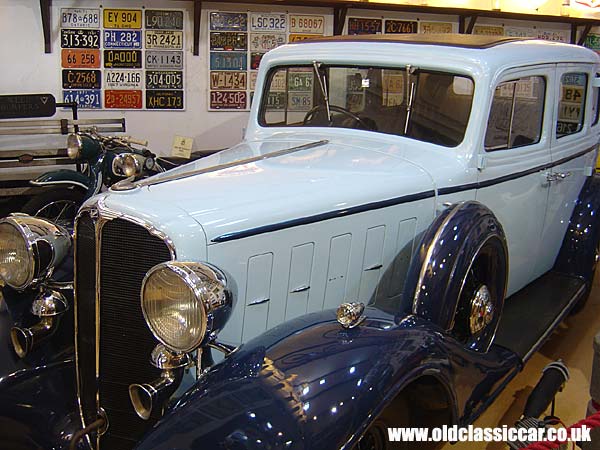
(74, 145)
(30, 249)
(185, 302)
(128, 165)
(82, 146)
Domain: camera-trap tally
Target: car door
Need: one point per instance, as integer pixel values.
(515, 151)
(574, 141)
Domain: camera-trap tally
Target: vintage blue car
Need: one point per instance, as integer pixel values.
(407, 220)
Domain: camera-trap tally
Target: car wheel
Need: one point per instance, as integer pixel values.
(479, 304)
(58, 205)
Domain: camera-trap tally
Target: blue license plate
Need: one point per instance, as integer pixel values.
(122, 39)
(228, 61)
(85, 98)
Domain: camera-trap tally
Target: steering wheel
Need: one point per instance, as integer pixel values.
(310, 115)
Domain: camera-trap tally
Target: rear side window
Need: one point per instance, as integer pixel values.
(517, 114)
(572, 103)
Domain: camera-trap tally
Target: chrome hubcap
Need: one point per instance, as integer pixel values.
(482, 310)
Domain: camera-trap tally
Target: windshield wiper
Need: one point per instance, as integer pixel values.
(323, 85)
(410, 92)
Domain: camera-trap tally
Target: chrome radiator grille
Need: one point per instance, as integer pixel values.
(113, 340)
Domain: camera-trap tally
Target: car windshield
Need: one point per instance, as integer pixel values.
(429, 106)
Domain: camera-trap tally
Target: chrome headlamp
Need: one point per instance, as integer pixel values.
(30, 249)
(184, 303)
(128, 165)
(74, 145)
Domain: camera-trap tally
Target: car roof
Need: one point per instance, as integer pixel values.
(449, 39)
(464, 53)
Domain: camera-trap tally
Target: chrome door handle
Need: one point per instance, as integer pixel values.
(550, 177)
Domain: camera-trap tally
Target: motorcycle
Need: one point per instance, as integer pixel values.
(101, 162)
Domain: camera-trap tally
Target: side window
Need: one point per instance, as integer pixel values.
(517, 114)
(595, 104)
(571, 104)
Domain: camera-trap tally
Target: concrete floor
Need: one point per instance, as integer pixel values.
(571, 342)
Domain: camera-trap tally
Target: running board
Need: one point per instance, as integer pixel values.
(531, 314)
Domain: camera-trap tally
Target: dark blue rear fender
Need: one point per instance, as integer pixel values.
(577, 253)
(310, 384)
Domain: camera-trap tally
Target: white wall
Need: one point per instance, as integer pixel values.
(25, 68)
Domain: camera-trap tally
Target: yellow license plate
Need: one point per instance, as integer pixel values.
(122, 18)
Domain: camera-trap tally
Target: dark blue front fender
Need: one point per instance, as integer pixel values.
(310, 384)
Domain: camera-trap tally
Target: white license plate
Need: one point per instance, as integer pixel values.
(307, 24)
(263, 42)
(163, 39)
(123, 79)
(79, 18)
(268, 22)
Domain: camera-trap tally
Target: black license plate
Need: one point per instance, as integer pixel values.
(164, 99)
(228, 41)
(80, 38)
(401, 26)
(164, 79)
(164, 20)
(81, 79)
(360, 25)
(123, 59)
